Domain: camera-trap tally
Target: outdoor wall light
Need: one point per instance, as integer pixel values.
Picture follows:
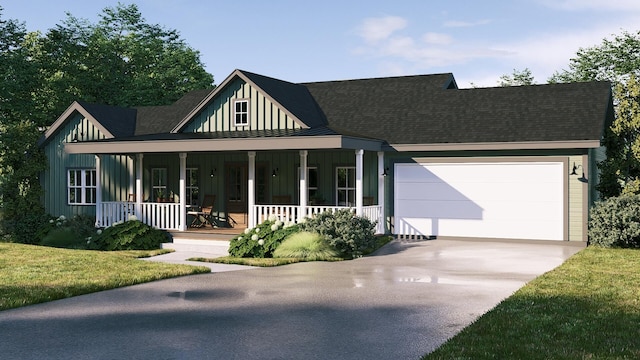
(213, 172)
(385, 172)
(275, 172)
(574, 171)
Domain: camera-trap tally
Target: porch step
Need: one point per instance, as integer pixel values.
(217, 247)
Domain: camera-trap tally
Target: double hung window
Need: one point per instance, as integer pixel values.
(241, 112)
(346, 186)
(81, 186)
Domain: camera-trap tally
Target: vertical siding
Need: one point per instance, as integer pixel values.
(218, 115)
(577, 186)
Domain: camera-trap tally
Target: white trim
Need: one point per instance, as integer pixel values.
(348, 189)
(246, 112)
(525, 145)
(82, 186)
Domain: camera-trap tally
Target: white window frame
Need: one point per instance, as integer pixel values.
(156, 186)
(241, 116)
(193, 174)
(348, 188)
(86, 190)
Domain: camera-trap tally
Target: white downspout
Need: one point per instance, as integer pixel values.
(182, 226)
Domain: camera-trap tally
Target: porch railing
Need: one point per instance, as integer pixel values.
(164, 216)
(289, 213)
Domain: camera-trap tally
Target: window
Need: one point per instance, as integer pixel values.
(159, 183)
(81, 185)
(193, 190)
(346, 186)
(241, 112)
(313, 197)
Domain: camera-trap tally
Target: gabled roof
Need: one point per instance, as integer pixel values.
(162, 119)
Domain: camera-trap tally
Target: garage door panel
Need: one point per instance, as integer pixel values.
(496, 200)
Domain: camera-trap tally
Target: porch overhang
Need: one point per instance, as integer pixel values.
(132, 146)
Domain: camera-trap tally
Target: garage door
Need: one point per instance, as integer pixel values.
(512, 200)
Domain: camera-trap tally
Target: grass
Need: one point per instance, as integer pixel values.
(588, 308)
(35, 274)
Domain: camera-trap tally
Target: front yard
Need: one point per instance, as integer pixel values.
(34, 274)
(588, 308)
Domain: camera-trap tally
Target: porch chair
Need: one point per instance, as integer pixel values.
(203, 216)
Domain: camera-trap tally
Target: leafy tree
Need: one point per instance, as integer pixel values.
(517, 78)
(618, 61)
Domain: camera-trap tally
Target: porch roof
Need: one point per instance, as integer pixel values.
(299, 139)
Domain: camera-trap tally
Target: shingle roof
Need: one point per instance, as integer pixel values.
(402, 111)
(118, 121)
(161, 119)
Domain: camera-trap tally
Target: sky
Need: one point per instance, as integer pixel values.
(307, 41)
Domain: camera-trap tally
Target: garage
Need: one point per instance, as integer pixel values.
(490, 199)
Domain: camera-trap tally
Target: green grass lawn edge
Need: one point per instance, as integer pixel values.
(587, 308)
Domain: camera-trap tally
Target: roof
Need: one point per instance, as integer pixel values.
(425, 110)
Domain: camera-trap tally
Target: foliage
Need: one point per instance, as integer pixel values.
(129, 235)
(587, 308)
(36, 274)
(349, 234)
(615, 222)
(616, 60)
(306, 245)
(261, 241)
(517, 78)
(71, 233)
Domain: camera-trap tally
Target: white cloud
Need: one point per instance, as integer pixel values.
(378, 29)
(456, 23)
(602, 5)
(437, 38)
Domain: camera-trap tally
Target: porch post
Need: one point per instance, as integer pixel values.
(99, 219)
(183, 192)
(303, 184)
(251, 194)
(359, 191)
(381, 183)
(139, 190)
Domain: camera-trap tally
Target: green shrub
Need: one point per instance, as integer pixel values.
(129, 235)
(64, 237)
(615, 222)
(261, 241)
(305, 245)
(349, 234)
(67, 233)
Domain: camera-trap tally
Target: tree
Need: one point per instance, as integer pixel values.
(517, 78)
(121, 60)
(617, 61)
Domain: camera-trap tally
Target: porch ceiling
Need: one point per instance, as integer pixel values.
(167, 145)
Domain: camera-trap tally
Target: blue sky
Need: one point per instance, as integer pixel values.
(302, 41)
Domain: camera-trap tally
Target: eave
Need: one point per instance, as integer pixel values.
(525, 145)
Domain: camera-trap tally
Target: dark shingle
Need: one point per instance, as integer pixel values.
(118, 121)
(162, 119)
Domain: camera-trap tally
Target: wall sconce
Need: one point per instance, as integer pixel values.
(213, 173)
(385, 172)
(574, 171)
(75, 138)
(275, 172)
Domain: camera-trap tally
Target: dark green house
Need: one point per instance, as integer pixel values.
(415, 153)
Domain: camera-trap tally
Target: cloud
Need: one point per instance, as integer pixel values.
(601, 5)
(437, 38)
(456, 23)
(373, 30)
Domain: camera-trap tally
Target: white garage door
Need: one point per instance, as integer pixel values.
(512, 200)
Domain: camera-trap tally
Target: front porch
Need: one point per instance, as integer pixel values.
(246, 195)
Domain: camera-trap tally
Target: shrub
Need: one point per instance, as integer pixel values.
(615, 222)
(349, 234)
(305, 245)
(67, 233)
(261, 241)
(129, 235)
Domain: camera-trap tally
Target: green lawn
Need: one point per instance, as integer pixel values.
(33, 274)
(588, 308)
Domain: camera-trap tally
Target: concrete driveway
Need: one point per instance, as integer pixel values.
(399, 304)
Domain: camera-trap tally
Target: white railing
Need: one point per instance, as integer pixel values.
(289, 213)
(164, 216)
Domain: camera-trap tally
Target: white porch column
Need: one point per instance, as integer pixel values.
(99, 221)
(183, 192)
(251, 193)
(359, 190)
(303, 184)
(381, 183)
(139, 170)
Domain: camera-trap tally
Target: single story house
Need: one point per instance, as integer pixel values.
(415, 153)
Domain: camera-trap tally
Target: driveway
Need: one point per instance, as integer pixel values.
(399, 304)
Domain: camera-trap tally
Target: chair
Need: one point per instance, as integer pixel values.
(203, 216)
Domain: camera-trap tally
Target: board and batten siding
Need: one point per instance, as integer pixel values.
(115, 178)
(578, 198)
(217, 116)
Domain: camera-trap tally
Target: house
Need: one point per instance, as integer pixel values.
(415, 153)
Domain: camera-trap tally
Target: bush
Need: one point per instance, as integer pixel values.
(261, 241)
(67, 233)
(305, 245)
(129, 235)
(615, 222)
(350, 235)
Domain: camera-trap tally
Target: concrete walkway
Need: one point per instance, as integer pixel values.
(399, 304)
(186, 249)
